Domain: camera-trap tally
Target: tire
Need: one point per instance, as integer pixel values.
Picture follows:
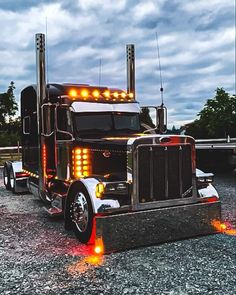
(81, 213)
(12, 180)
(6, 177)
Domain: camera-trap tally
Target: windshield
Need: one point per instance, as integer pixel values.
(97, 123)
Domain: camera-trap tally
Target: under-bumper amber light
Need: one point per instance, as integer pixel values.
(99, 246)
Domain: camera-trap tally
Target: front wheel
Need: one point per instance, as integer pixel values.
(6, 177)
(81, 213)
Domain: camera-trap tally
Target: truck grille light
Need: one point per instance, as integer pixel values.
(81, 162)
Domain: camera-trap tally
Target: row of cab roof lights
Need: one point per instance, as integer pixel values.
(97, 95)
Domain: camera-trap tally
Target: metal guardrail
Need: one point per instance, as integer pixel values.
(216, 140)
(216, 144)
(10, 148)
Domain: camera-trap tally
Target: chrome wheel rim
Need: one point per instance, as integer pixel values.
(80, 213)
(5, 178)
(12, 179)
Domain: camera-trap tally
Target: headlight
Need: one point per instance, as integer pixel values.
(204, 179)
(114, 188)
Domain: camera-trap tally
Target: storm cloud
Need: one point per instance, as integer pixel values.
(196, 40)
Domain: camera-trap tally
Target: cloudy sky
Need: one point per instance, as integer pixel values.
(196, 40)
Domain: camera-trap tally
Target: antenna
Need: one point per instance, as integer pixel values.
(159, 64)
(100, 72)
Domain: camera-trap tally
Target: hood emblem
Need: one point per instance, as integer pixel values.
(106, 154)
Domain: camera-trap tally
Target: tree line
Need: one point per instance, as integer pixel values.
(10, 126)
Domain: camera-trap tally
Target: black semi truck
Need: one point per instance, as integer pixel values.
(85, 156)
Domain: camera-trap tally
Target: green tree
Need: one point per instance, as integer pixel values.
(217, 119)
(9, 125)
(8, 105)
(146, 118)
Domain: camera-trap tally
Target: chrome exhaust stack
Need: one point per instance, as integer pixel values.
(41, 97)
(130, 54)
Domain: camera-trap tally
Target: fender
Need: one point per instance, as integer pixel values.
(90, 186)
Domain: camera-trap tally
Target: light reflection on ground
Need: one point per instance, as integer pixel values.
(224, 227)
(85, 264)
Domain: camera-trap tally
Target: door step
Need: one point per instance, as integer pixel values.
(54, 211)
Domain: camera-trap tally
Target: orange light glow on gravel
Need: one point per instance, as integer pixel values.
(224, 227)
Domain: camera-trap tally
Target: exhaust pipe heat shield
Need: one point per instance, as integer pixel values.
(143, 228)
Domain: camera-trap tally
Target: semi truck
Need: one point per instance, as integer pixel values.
(86, 156)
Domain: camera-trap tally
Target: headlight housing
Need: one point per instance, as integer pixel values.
(204, 179)
(111, 188)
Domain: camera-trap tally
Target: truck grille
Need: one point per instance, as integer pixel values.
(164, 172)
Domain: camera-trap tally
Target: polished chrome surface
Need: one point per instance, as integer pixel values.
(130, 51)
(41, 97)
(79, 212)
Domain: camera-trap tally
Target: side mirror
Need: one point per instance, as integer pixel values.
(60, 135)
(161, 115)
(150, 114)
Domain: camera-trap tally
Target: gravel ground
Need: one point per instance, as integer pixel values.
(38, 257)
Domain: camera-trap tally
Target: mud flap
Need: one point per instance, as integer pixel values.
(142, 228)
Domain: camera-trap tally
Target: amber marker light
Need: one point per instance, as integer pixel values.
(131, 95)
(96, 94)
(123, 95)
(73, 93)
(99, 247)
(224, 227)
(116, 94)
(84, 93)
(106, 94)
(81, 162)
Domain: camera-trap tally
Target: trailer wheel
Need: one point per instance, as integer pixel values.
(6, 177)
(81, 213)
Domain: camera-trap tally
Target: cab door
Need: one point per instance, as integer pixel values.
(49, 139)
(64, 140)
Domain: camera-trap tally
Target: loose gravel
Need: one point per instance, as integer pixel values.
(37, 256)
